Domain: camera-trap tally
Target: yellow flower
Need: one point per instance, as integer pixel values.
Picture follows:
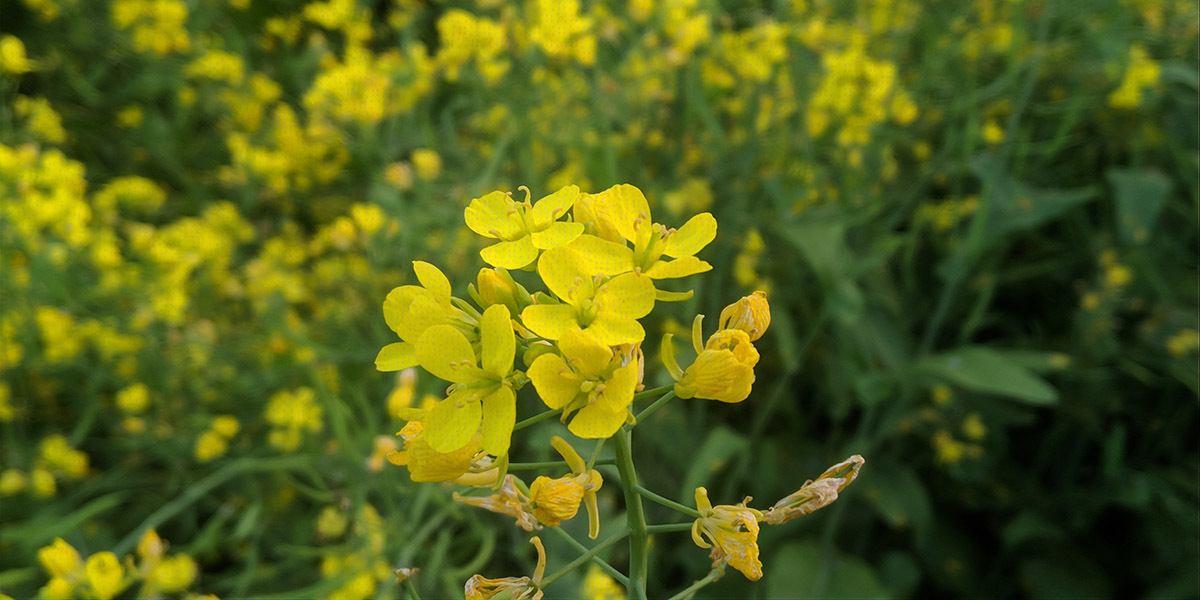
(226, 425)
(105, 575)
(42, 482)
(586, 378)
(173, 574)
(12, 56)
(607, 308)
(411, 309)
(751, 314)
(814, 495)
(723, 369)
(210, 445)
(151, 547)
(557, 500)
(622, 214)
(134, 399)
(509, 588)
(59, 559)
(482, 394)
(509, 500)
(522, 228)
(427, 163)
(731, 532)
(12, 481)
(426, 464)
(58, 588)
(598, 585)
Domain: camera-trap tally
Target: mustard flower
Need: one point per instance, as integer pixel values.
(723, 369)
(105, 575)
(731, 532)
(557, 500)
(411, 309)
(482, 393)
(508, 499)
(426, 464)
(510, 588)
(606, 307)
(814, 495)
(59, 559)
(588, 380)
(522, 228)
(622, 214)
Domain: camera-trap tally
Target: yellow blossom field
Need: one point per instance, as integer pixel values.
(600, 299)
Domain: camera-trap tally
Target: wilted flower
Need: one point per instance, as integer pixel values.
(814, 495)
(731, 532)
(751, 314)
(507, 500)
(557, 500)
(479, 587)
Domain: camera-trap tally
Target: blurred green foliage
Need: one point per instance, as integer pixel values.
(977, 223)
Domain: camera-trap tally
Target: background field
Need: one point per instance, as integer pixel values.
(977, 223)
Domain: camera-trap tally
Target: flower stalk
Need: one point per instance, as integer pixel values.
(635, 516)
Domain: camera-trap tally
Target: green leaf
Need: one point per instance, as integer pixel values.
(984, 370)
(898, 497)
(1140, 195)
(1011, 206)
(806, 570)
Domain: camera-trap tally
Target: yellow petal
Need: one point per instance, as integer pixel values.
(628, 295)
(618, 390)
(453, 422)
(625, 207)
(396, 304)
(396, 356)
(549, 320)
(498, 343)
(614, 330)
(554, 381)
(555, 205)
(516, 254)
(445, 352)
(557, 234)
(432, 279)
(499, 416)
(593, 422)
(587, 355)
(493, 216)
(422, 313)
(568, 270)
(697, 233)
(680, 267)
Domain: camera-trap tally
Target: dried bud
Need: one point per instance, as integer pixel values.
(814, 495)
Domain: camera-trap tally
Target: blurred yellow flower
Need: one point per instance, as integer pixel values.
(59, 559)
(105, 575)
(427, 163)
(12, 56)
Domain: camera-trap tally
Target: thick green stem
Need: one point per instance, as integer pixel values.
(634, 515)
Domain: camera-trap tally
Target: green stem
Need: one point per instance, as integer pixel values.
(667, 502)
(412, 589)
(652, 392)
(653, 408)
(668, 528)
(691, 590)
(634, 515)
(603, 564)
(535, 419)
(583, 558)
(550, 464)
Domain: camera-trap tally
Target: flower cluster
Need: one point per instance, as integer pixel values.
(103, 576)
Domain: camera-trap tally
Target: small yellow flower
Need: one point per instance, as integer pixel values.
(13, 60)
(607, 308)
(59, 559)
(731, 532)
(151, 547)
(427, 163)
(814, 495)
(210, 445)
(42, 483)
(723, 369)
(58, 588)
(226, 425)
(482, 399)
(522, 229)
(598, 585)
(105, 575)
(751, 314)
(510, 588)
(12, 481)
(173, 574)
(509, 500)
(410, 310)
(557, 500)
(588, 380)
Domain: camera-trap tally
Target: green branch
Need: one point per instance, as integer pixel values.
(603, 564)
(634, 515)
(667, 502)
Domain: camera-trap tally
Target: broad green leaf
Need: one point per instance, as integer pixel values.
(982, 369)
(1140, 195)
(721, 445)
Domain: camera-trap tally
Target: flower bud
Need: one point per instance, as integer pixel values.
(496, 286)
(751, 314)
